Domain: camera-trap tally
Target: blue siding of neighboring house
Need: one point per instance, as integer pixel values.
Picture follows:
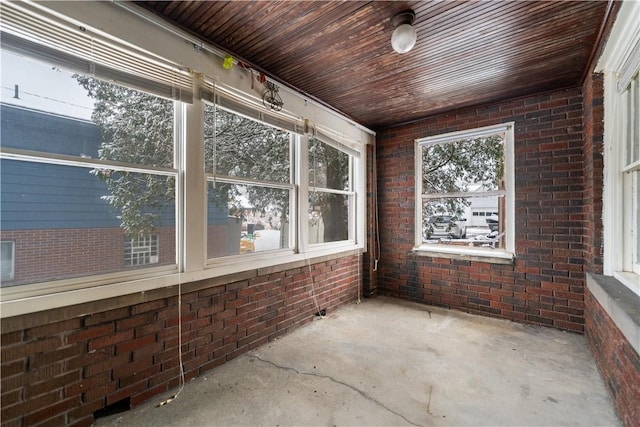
(45, 196)
(39, 131)
(42, 196)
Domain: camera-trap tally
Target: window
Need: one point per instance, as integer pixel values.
(464, 183)
(99, 186)
(141, 250)
(620, 63)
(7, 260)
(631, 176)
(331, 195)
(250, 184)
(84, 162)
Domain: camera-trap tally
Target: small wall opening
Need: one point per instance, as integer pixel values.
(115, 408)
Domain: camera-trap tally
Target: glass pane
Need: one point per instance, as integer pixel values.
(636, 208)
(629, 104)
(141, 250)
(69, 221)
(468, 221)
(6, 260)
(328, 217)
(238, 146)
(635, 117)
(466, 165)
(328, 167)
(245, 219)
(50, 110)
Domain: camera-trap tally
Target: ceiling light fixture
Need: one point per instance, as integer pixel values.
(404, 36)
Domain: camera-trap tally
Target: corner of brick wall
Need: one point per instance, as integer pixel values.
(61, 373)
(593, 90)
(546, 283)
(617, 360)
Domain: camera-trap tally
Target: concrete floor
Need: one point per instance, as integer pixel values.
(393, 363)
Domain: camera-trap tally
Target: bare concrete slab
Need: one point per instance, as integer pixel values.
(392, 363)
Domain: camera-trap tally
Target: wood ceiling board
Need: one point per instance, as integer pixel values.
(468, 52)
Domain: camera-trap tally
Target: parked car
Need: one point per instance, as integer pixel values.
(446, 226)
(493, 223)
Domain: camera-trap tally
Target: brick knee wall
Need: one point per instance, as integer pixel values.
(618, 362)
(61, 372)
(545, 285)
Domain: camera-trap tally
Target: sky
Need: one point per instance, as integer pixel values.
(42, 87)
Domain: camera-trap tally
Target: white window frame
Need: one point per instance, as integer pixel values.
(350, 193)
(121, 25)
(497, 255)
(213, 177)
(620, 62)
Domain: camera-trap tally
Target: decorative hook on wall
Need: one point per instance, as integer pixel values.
(270, 98)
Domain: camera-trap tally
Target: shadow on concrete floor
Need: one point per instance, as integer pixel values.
(390, 362)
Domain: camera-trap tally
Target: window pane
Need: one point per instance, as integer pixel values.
(636, 117)
(141, 250)
(245, 219)
(454, 221)
(6, 260)
(632, 95)
(466, 165)
(328, 167)
(444, 218)
(636, 208)
(69, 221)
(88, 118)
(241, 147)
(328, 217)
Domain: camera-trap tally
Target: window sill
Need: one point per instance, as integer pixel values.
(620, 303)
(492, 256)
(46, 296)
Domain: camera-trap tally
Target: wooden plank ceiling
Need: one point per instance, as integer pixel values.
(467, 53)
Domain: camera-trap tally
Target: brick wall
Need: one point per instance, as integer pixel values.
(61, 253)
(593, 171)
(618, 362)
(60, 372)
(545, 285)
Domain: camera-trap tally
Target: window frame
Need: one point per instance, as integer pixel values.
(630, 168)
(126, 274)
(495, 255)
(214, 177)
(620, 64)
(350, 193)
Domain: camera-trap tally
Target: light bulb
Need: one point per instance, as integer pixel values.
(403, 38)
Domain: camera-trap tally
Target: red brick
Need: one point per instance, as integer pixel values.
(90, 333)
(20, 351)
(112, 339)
(618, 362)
(59, 382)
(25, 407)
(135, 343)
(53, 328)
(106, 316)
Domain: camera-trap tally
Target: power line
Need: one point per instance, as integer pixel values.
(51, 99)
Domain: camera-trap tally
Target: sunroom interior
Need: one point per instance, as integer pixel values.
(185, 183)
